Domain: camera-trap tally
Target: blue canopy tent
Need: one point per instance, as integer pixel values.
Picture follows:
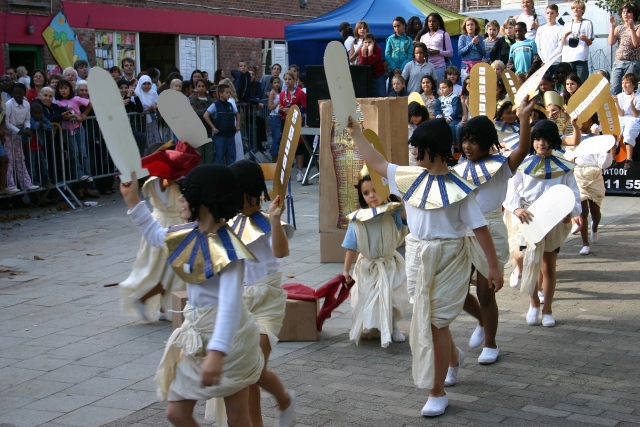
(307, 40)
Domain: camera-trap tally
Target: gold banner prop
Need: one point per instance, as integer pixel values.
(482, 93)
(288, 146)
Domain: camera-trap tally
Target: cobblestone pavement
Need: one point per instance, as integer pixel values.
(68, 358)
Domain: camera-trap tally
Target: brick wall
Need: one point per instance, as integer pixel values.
(234, 49)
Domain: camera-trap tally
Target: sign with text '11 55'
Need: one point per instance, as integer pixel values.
(618, 181)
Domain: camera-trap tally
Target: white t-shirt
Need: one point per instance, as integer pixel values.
(261, 249)
(581, 52)
(528, 19)
(491, 194)
(530, 189)
(348, 42)
(624, 101)
(223, 286)
(549, 41)
(449, 222)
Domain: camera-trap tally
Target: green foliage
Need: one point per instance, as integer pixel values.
(614, 6)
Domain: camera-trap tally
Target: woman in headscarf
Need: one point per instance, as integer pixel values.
(149, 99)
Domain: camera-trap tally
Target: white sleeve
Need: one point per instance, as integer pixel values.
(570, 181)
(512, 198)
(605, 160)
(152, 231)
(391, 177)
(229, 307)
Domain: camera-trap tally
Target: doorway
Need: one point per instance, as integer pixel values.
(27, 56)
(158, 51)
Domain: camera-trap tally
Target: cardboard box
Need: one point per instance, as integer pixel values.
(331, 249)
(300, 321)
(178, 301)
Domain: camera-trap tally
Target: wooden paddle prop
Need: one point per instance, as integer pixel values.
(415, 97)
(343, 97)
(114, 124)
(287, 153)
(594, 145)
(380, 183)
(182, 119)
(548, 210)
(482, 93)
(530, 86)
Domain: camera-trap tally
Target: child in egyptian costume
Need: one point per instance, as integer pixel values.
(215, 353)
(266, 236)
(379, 297)
(440, 207)
(588, 174)
(148, 287)
(541, 170)
(483, 166)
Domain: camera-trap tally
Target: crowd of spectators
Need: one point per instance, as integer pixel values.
(417, 58)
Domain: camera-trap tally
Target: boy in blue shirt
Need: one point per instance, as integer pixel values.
(523, 55)
(226, 122)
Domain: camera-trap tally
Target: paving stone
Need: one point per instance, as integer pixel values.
(546, 411)
(29, 417)
(592, 420)
(92, 416)
(61, 402)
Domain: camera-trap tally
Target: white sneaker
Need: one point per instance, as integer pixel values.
(33, 187)
(515, 279)
(488, 356)
(548, 320)
(594, 234)
(435, 406)
(585, 250)
(287, 418)
(162, 315)
(299, 176)
(477, 337)
(541, 297)
(532, 315)
(398, 336)
(452, 372)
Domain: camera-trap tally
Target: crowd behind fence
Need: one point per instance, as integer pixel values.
(74, 163)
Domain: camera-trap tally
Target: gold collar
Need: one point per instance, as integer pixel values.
(426, 191)
(251, 228)
(196, 257)
(483, 170)
(548, 167)
(369, 213)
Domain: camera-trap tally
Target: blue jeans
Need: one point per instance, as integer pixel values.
(620, 68)
(225, 149)
(453, 125)
(581, 68)
(275, 128)
(78, 154)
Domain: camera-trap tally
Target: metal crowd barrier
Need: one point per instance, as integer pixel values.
(69, 156)
(74, 158)
(254, 122)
